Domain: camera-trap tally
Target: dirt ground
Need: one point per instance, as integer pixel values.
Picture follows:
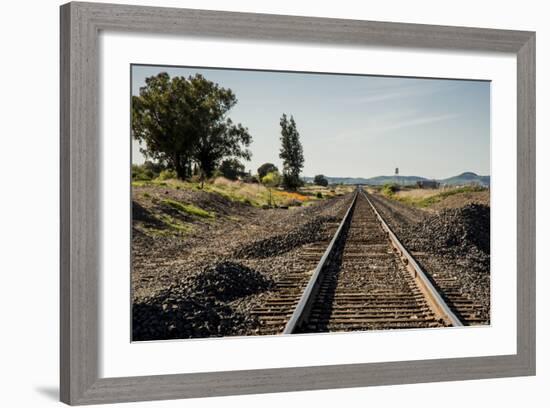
(178, 263)
(463, 199)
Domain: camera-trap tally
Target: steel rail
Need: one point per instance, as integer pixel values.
(304, 305)
(436, 302)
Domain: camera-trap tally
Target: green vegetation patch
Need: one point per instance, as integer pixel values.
(189, 209)
(166, 175)
(389, 189)
(148, 183)
(171, 226)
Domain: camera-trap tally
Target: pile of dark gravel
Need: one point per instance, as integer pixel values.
(461, 231)
(228, 280)
(173, 317)
(199, 306)
(311, 231)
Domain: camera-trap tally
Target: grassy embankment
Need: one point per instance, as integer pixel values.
(176, 216)
(424, 198)
(255, 195)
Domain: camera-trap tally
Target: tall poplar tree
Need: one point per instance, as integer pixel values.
(291, 153)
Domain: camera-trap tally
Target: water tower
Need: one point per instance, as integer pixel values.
(397, 175)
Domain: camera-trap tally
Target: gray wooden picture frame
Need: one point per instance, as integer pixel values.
(80, 192)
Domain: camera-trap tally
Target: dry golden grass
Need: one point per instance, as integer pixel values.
(426, 198)
(330, 191)
(418, 193)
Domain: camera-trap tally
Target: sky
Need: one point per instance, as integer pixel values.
(356, 125)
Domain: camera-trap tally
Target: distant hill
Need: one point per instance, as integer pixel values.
(461, 179)
(406, 180)
(379, 180)
(467, 178)
(341, 180)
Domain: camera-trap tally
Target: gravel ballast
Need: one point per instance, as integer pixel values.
(451, 243)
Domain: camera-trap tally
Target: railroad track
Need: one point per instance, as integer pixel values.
(277, 310)
(469, 310)
(363, 279)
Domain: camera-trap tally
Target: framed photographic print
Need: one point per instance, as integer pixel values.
(260, 203)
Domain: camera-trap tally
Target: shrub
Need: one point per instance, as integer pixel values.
(139, 173)
(265, 169)
(390, 189)
(231, 169)
(166, 175)
(146, 171)
(320, 180)
(319, 194)
(153, 168)
(272, 179)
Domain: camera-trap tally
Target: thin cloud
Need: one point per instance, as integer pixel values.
(390, 123)
(388, 93)
(418, 121)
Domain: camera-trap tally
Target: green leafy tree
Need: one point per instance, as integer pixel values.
(181, 121)
(266, 168)
(291, 153)
(232, 169)
(219, 141)
(157, 122)
(320, 180)
(271, 180)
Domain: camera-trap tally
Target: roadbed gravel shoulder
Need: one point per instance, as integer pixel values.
(453, 247)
